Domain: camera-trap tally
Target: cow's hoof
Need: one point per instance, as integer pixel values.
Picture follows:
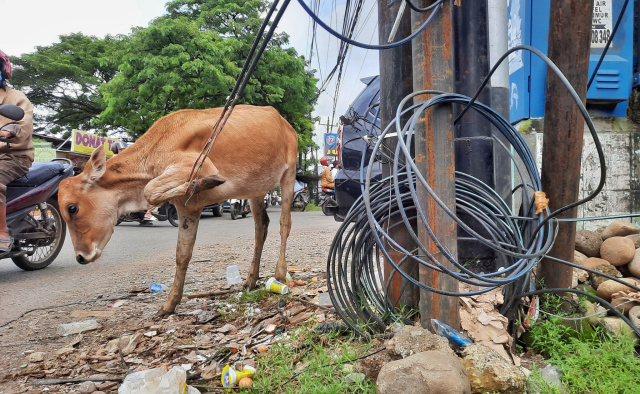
(162, 313)
(250, 284)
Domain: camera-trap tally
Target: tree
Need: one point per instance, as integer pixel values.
(63, 79)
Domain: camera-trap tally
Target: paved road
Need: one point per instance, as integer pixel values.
(133, 256)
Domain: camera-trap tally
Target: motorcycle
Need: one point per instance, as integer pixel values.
(239, 207)
(33, 215)
(275, 198)
(300, 198)
(327, 202)
(166, 211)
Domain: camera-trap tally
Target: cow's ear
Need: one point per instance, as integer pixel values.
(97, 164)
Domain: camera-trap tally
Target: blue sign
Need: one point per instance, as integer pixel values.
(330, 144)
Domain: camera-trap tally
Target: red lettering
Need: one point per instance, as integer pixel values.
(78, 138)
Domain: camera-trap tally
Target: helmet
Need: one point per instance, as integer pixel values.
(323, 161)
(6, 67)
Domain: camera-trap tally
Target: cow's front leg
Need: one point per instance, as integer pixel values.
(261, 222)
(186, 239)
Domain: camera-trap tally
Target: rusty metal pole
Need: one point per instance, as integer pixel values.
(434, 155)
(396, 82)
(569, 45)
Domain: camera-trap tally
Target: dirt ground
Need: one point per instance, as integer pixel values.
(35, 347)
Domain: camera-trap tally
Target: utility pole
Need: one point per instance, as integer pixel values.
(569, 48)
(434, 155)
(396, 82)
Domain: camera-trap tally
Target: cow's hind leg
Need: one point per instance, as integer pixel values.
(286, 188)
(261, 221)
(186, 239)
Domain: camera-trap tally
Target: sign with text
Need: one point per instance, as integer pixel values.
(330, 144)
(602, 23)
(86, 143)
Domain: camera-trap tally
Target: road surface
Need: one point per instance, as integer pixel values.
(137, 256)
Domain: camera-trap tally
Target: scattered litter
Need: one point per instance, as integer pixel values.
(78, 327)
(274, 286)
(233, 275)
(324, 299)
(116, 303)
(262, 348)
(450, 333)
(270, 329)
(158, 287)
(329, 326)
(157, 381)
(207, 316)
(230, 377)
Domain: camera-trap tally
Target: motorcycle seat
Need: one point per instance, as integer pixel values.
(39, 173)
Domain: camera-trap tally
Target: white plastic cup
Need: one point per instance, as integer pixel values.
(233, 275)
(274, 286)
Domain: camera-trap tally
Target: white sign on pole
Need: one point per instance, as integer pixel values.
(602, 23)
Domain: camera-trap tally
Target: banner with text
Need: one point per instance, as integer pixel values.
(86, 143)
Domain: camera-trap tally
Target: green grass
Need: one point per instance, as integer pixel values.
(312, 206)
(311, 355)
(591, 360)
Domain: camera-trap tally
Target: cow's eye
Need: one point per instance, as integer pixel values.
(73, 209)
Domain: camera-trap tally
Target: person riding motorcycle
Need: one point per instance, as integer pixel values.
(327, 177)
(16, 155)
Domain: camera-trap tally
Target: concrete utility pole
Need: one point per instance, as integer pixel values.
(434, 155)
(569, 46)
(396, 82)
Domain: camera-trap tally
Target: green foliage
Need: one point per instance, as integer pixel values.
(590, 361)
(321, 361)
(63, 79)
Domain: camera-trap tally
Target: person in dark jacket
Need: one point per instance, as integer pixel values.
(16, 155)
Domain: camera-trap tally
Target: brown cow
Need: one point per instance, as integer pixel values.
(256, 149)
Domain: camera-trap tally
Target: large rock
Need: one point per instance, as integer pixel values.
(608, 287)
(588, 243)
(593, 262)
(410, 340)
(619, 229)
(634, 265)
(608, 269)
(489, 372)
(634, 316)
(372, 365)
(431, 372)
(579, 258)
(616, 326)
(635, 238)
(618, 250)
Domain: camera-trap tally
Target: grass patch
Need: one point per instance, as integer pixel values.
(591, 361)
(253, 296)
(310, 355)
(312, 206)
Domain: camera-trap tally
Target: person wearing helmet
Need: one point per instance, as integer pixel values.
(16, 155)
(327, 177)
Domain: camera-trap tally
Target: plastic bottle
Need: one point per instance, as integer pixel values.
(230, 377)
(233, 275)
(158, 287)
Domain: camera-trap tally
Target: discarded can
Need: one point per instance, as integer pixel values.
(450, 333)
(288, 278)
(230, 377)
(274, 286)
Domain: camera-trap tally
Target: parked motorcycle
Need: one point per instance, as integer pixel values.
(300, 198)
(275, 198)
(33, 215)
(166, 211)
(238, 208)
(327, 201)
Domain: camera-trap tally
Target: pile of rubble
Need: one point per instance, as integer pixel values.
(612, 250)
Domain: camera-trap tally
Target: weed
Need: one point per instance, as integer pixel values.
(321, 361)
(253, 296)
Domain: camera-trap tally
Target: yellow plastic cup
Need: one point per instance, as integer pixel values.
(230, 377)
(274, 286)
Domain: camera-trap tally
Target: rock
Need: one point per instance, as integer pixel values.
(599, 230)
(581, 275)
(634, 316)
(608, 287)
(593, 262)
(354, 378)
(412, 339)
(588, 242)
(635, 238)
(489, 372)
(596, 280)
(618, 250)
(619, 229)
(593, 312)
(634, 265)
(424, 373)
(371, 366)
(624, 301)
(36, 357)
(579, 258)
(87, 387)
(616, 326)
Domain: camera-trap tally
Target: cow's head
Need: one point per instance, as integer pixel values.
(90, 210)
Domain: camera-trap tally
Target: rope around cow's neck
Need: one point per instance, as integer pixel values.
(250, 65)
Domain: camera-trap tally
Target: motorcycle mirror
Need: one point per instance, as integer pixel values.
(11, 111)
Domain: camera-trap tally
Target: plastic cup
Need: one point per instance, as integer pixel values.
(274, 286)
(233, 275)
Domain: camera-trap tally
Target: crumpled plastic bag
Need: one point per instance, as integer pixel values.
(157, 381)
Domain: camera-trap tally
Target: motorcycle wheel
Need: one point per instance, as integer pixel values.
(300, 202)
(234, 210)
(273, 202)
(326, 204)
(40, 253)
(172, 215)
(217, 212)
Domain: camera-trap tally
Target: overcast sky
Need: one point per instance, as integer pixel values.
(30, 23)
